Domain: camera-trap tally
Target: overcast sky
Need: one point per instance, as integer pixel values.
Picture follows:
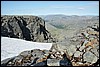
(49, 7)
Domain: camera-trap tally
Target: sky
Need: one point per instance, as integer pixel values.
(49, 7)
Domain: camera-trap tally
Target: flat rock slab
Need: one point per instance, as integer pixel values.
(11, 47)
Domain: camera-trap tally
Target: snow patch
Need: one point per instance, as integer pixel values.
(12, 47)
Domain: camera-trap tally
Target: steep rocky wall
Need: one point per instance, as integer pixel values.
(31, 28)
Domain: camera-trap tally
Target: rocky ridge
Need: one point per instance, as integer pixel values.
(31, 28)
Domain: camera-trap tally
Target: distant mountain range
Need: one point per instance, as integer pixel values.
(68, 24)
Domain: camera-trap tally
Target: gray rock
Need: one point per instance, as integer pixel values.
(71, 50)
(57, 52)
(53, 62)
(52, 56)
(78, 46)
(62, 52)
(89, 48)
(81, 48)
(37, 53)
(40, 64)
(65, 62)
(25, 53)
(92, 36)
(95, 52)
(78, 54)
(86, 34)
(74, 39)
(46, 51)
(90, 57)
(85, 42)
(96, 46)
(6, 61)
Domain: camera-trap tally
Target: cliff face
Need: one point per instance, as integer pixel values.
(31, 28)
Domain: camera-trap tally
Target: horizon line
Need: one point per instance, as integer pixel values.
(49, 14)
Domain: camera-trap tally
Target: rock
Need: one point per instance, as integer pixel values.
(53, 50)
(53, 62)
(93, 33)
(78, 46)
(25, 53)
(71, 50)
(90, 57)
(52, 56)
(46, 51)
(57, 53)
(82, 48)
(74, 39)
(6, 61)
(92, 36)
(78, 54)
(41, 59)
(80, 64)
(85, 34)
(89, 48)
(95, 52)
(85, 42)
(62, 52)
(60, 46)
(18, 60)
(65, 62)
(40, 64)
(37, 53)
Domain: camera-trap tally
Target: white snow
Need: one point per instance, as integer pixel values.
(12, 47)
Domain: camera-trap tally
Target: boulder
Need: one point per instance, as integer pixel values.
(90, 57)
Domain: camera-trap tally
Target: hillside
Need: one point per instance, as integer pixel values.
(69, 25)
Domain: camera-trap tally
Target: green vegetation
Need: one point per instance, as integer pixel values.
(58, 26)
